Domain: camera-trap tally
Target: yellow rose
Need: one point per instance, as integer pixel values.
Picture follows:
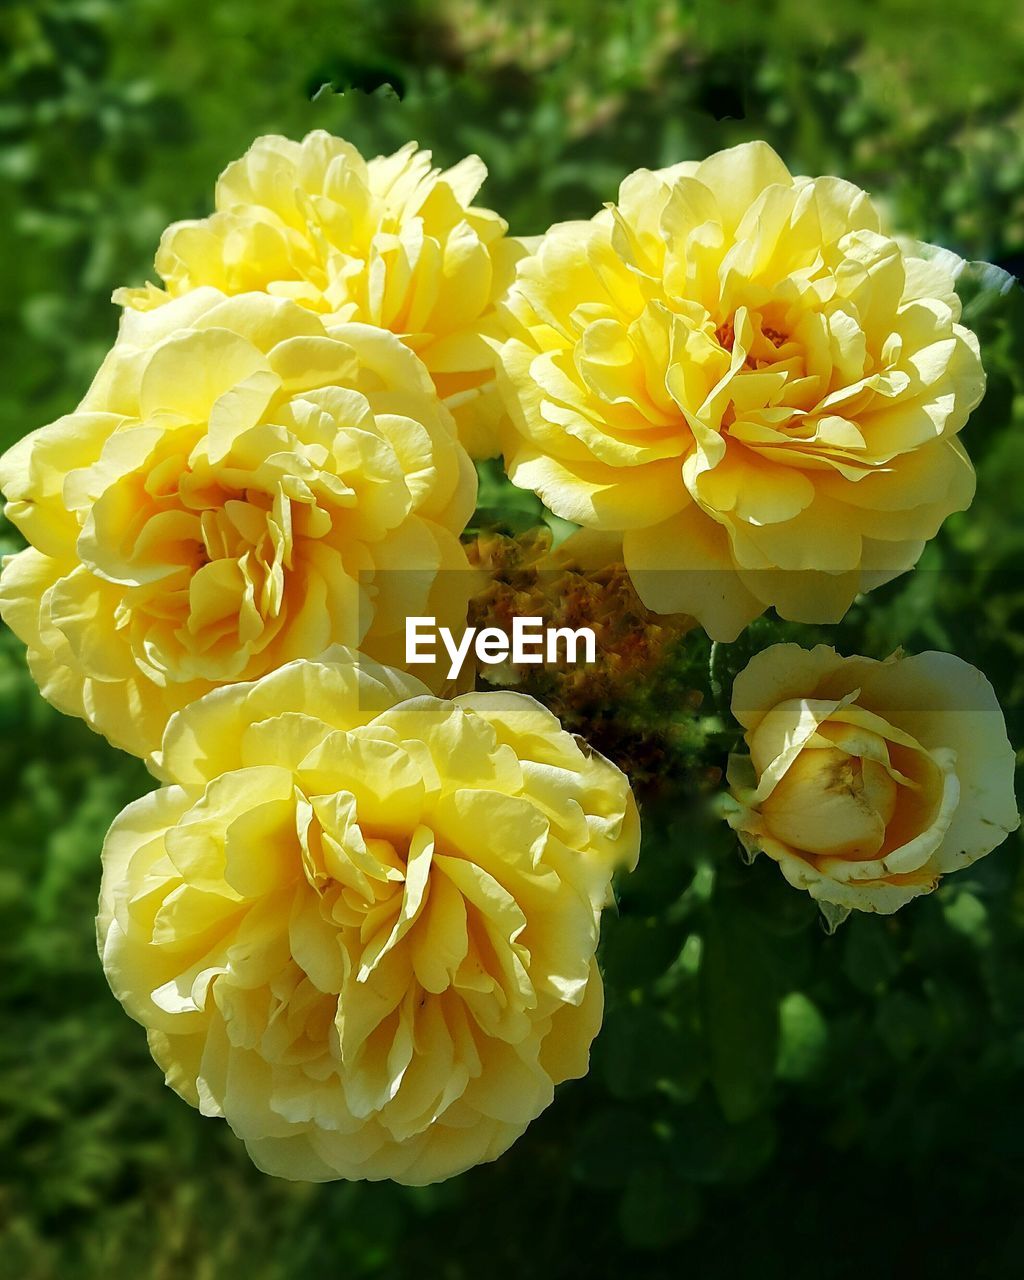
(868, 780)
(741, 372)
(360, 922)
(389, 242)
(242, 485)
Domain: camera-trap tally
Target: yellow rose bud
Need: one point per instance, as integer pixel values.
(359, 923)
(866, 780)
(389, 242)
(742, 373)
(243, 484)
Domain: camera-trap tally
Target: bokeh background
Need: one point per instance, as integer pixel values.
(764, 1095)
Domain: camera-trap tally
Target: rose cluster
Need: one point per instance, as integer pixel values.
(359, 918)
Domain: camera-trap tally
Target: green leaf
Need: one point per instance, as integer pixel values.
(870, 955)
(507, 520)
(739, 1007)
(803, 1038)
(904, 1026)
(636, 951)
(981, 286)
(656, 1210)
(611, 1144)
(707, 1148)
(642, 1049)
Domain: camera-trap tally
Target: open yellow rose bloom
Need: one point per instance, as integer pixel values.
(391, 242)
(359, 922)
(866, 780)
(242, 485)
(744, 374)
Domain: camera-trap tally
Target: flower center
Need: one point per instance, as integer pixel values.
(832, 804)
(725, 335)
(765, 341)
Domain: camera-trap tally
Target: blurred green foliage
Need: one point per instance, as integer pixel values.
(763, 1095)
